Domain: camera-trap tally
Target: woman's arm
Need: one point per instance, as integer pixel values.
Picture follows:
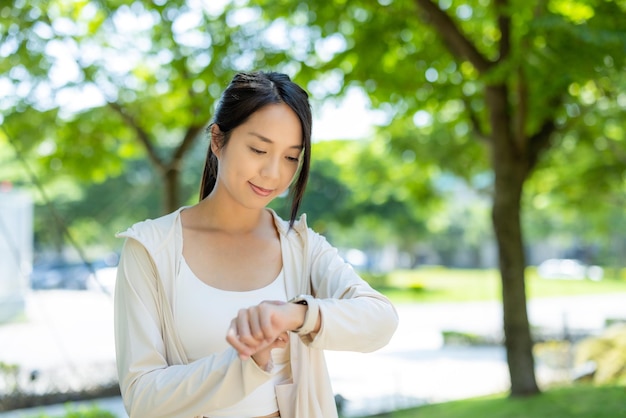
(354, 317)
(150, 386)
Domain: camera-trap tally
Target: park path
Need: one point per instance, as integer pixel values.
(75, 329)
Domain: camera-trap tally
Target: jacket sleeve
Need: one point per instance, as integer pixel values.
(149, 385)
(354, 316)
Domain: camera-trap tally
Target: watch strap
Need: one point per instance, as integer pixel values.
(311, 315)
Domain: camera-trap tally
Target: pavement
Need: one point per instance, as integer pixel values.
(73, 329)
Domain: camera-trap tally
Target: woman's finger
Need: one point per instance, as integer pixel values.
(243, 328)
(267, 312)
(233, 339)
(254, 318)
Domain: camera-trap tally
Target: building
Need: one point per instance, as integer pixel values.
(16, 250)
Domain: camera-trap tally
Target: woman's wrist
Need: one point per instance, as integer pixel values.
(311, 322)
(298, 314)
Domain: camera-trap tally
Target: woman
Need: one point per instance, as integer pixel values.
(222, 309)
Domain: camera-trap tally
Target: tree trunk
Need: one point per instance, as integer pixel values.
(511, 168)
(171, 190)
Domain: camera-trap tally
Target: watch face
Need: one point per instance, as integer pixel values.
(299, 300)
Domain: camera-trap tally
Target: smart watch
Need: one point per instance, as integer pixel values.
(300, 300)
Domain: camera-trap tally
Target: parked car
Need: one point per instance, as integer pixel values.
(568, 269)
(61, 274)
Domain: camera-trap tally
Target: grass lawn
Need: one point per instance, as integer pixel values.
(581, 401)
(438, 284)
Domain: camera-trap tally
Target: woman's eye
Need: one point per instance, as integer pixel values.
(257, 151)
(294, 159)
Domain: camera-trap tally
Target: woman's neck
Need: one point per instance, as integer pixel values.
(213, 214)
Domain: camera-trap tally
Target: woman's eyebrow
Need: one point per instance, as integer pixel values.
(269, 141)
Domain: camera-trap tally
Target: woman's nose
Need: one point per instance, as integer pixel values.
(271, 168)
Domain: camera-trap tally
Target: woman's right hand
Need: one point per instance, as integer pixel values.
(260, 328)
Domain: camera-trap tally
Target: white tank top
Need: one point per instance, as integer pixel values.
(202, 315)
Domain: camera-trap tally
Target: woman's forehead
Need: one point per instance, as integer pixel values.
(275, 124)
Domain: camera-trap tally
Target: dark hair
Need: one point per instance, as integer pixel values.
(247, 93)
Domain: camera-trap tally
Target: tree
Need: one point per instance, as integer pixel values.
(89, 85)
(507, 74)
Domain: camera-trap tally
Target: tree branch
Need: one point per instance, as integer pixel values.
(460, 46)
(473, 117)
(142, 135)
(191, 134)
(540, 142)
(504, 24)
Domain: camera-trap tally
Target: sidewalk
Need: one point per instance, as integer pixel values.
(75, 329)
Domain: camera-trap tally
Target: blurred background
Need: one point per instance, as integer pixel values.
(469, 160)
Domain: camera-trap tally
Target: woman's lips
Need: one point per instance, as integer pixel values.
(260, 190)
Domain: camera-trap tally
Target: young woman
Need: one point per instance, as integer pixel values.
(222, 309)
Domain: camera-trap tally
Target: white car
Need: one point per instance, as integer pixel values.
(568, 269)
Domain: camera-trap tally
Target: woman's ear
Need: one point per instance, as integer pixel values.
(216, 139)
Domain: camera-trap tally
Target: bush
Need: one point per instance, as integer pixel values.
(607, 353)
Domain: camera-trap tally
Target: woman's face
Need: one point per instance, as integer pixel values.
(261, 157)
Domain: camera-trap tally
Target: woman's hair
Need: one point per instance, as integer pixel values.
(247, 93)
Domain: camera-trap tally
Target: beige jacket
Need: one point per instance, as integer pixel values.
(157, 380)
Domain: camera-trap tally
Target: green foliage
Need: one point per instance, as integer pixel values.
(580, 401)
